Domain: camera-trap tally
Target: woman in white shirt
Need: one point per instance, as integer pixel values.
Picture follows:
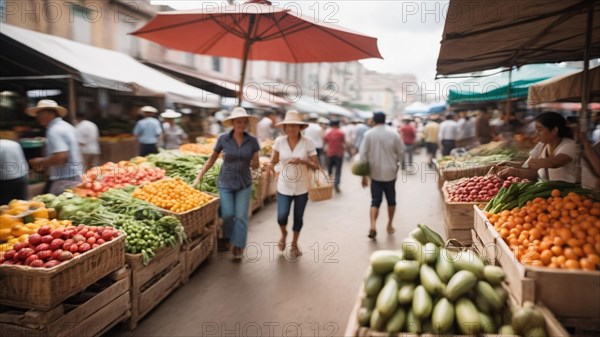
(295, 154)
(173, 134)
(554, 157)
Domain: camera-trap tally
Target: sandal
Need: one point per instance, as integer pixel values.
(391, 230)
(372, 234)
(238, 253)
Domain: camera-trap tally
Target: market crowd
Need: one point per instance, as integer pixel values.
(377, 148)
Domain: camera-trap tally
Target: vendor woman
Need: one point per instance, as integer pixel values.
(554, 157)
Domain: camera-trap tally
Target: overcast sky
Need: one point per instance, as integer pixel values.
(408, 32)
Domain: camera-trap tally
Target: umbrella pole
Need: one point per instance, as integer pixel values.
(508, 94)
(585, 85)
(247, 46)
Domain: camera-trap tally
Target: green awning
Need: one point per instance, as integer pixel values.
(495, 87)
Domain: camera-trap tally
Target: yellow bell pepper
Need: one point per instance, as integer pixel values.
(8, 221)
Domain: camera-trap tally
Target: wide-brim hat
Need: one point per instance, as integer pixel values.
(170, 114)
(292, 117)
(323, 120)
(239, 112)
(148, 109)
(46, 104)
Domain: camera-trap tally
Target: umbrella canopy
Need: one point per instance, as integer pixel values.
(416, 108)
(565, 88)
(488, 34)
(495, 88)
(256, 30)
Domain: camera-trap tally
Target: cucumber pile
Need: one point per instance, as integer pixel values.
(426, 288)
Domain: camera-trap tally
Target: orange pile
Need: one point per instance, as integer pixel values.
(558, 232)
(173, 195)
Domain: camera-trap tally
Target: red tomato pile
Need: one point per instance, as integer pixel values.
(110, 175)
(49, 248)
(478, 189)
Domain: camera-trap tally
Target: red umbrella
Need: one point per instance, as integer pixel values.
(256, 30)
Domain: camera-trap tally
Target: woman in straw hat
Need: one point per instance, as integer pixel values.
(295, 154)
(240, 154)
(173, 134)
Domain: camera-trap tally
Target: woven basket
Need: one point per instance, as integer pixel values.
(320, 186)
(196, 219)
(45, 288)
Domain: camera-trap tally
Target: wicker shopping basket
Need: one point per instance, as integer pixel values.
(320, 186)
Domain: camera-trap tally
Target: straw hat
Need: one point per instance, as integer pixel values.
(46, 104)
(323, 120)
(239, 112)
(292, 117)
(149, 109)
(169, 113)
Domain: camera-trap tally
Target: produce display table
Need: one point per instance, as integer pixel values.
(197, 250)
(458, 217)
(572, 295)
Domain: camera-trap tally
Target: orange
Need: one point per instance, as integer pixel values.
(586, 264)
(556, 250)
(555, 193)
(546, 257)
(569, 253)
(572, 264)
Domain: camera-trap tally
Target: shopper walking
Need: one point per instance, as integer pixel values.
(483, 130)
(409, 135)
(13, 172)
(148, 130)
(240, 155)
(431, 137)
(448, 134)
(64, 163)
(173, 135)
(295, 155)
(336, 143)
(87, 137)
(316, 133)
(382, 149)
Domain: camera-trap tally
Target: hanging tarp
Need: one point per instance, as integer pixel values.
(495, 87)
(103, 68)
(566, 88)
(489, 34)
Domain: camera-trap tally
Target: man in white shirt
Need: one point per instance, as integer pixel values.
(87, 137)
(316, 133)
(13, 172)
(264, 128)
(448, 134)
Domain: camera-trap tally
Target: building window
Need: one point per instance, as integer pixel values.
(216, 63)
(81, 30)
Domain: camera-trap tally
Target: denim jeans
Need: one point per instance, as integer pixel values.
(234, 212)
(408, 151)
(284, 204)
(335, 162)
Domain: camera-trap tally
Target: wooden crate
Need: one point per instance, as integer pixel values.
(152, 283)
(458, 215)
(194, 220)
(45, 288)
(569, 294)
(461, 235)
(198, 250)
(124, 149)
(487, 235)
(89, 313)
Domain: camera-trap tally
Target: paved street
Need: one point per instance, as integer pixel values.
(270, 294)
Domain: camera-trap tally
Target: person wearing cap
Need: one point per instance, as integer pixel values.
(240, 154)
(148, 130)
(64, 163)
(13, 171)
(87, 136)
(173, 134)
(336, 144)
(294, 155)
(382, 149)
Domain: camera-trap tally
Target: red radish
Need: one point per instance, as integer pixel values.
(91, 240)
(8, 255)
(56, 244)
(20, 245)
(89, 235)
(57, 233)
(84, 247)
(47, 238)
(56, 254)
(44, 254)
(74, 248)
(78, 238)
(30, 259)
(66, 246)
(100, 241)
(52, 263)
(107, 235)
(44, 230)
(35, 239)
(36, 263)
(65, 256)
(25, 253)
(41, 246)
